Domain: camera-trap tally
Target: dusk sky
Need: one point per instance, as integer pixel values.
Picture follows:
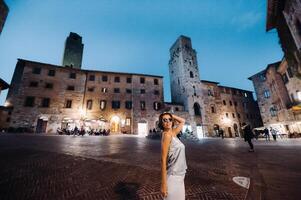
(135, 36)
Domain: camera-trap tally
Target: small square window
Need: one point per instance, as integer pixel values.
(33, 84)
(128, 91)
(117, 79)
(142, 91)
(70, 87)
(36, 70)
(116, 90)
(91, 89)
(49, 85)
(92, 78)
(115, 104)
(128, 105)
(104, 78)
(45, 102)
(129, 80)
(29, 101)
(51, 72)
(68, 103)
(156, 82)
(142, 80)
(72, 75)
(156, 92)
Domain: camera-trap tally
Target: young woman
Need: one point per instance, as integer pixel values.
(173, 160)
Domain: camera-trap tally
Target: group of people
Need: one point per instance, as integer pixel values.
(249, 134)
(82, 131)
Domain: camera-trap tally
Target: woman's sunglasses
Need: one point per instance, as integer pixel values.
(167, 119)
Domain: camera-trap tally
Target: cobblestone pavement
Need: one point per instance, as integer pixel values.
(128, 167)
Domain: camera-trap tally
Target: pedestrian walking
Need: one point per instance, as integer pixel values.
(173, 160)
(221, 133)
(266, 134)
(248, 135)
(274, 133)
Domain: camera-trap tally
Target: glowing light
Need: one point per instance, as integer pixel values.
(115, 119)
(226, 120)
(81, 112)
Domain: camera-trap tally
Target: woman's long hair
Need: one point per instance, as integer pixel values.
(160, 124)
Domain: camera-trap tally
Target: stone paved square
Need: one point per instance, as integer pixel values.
(128, 167)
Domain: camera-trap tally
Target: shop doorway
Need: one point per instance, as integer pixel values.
(41, 126)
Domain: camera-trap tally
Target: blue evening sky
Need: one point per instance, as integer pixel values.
(135, 36)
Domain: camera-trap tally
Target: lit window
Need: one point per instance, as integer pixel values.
(142, 105)
(298, 95)
(89, 104)
(266, 94)
(103, 104)
(128, 121)
(157, 105)
(104, 90)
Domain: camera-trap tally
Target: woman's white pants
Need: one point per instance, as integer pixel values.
(175, 187)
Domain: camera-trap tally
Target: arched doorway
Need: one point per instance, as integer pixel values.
(216, 129)
(197, 109)
(230, 132)
(115, 124)
(235, 127)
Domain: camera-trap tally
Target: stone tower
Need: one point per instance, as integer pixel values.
(3, 14)
(186, 87)
(73, 52)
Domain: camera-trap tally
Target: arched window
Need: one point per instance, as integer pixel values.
(197, 109)
(191, 74)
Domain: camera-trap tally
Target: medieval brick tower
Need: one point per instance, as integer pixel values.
(73, 52)
(186, 87)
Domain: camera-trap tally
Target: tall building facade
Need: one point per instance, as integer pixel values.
(44, 97)
(208, 105)
(278, 87)
(73, 53)
(3, 14)
(278, 93)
